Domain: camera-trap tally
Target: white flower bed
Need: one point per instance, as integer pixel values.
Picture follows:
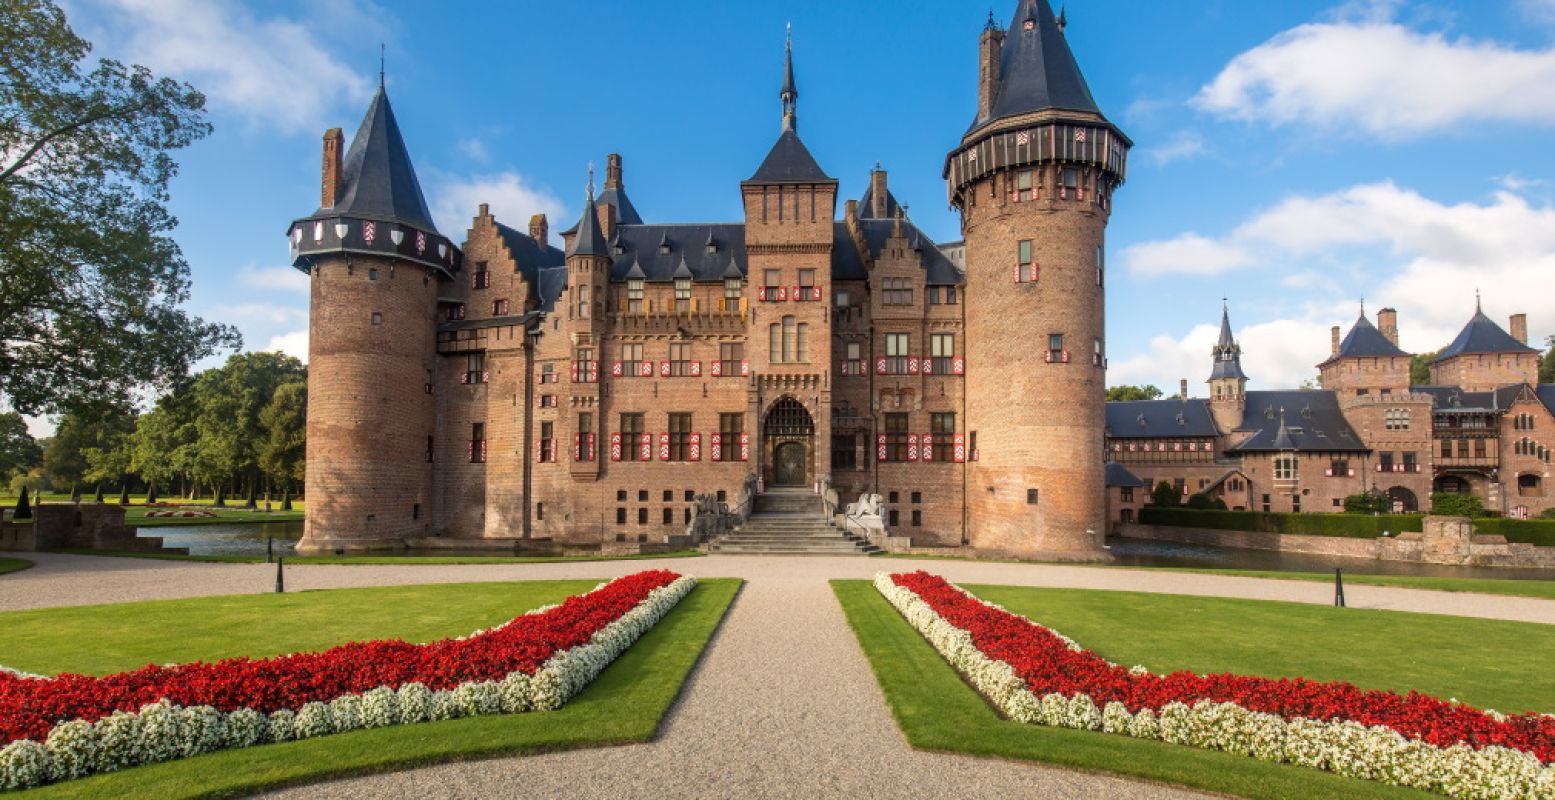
(163, 731)
(1371, 753)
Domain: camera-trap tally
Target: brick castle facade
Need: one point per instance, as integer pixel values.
(507, 389)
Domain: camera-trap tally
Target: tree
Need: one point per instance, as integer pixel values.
(93, 282)
(1373, 502)
(228, 401)
(100, 427)
(19, 452)
(1547, 364)
(285, 421)
(1450, 504)
(1202, 501)
(162, 446)
(1165, 495)
(1420, 368)
(1146, 392)
(1311, 384)
(23, 507)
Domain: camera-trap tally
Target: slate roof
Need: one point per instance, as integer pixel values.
(1311, 422)
(1364, 340)
(530, 256)
(1546, 393)
(1452, 398)
(866, 204)
(626, 213)
(941, 271)
(590, 240)
(1118, 475)
(1160, 419)
(549, 286)
(789, 161)
(1228, 357)
(1037, 69)
(377, 181)
(1481, 335)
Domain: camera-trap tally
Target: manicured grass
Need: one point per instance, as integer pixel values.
(624, 704)
(13, 565)
(379, 560)
(1511, 587)
(937, 710)
(138, 500)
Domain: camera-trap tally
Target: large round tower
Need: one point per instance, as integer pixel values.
(376, 264)
(1033, 179)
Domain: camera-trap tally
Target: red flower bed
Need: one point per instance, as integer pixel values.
(1048, 666)
(29, 707)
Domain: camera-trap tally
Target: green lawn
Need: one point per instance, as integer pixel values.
(938, 711)
(382, 559)
(13, 565)
(9, 501)
(625, 704)
(136, 517)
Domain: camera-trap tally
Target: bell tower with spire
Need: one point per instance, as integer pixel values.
(1227, 382)
(1033, 178)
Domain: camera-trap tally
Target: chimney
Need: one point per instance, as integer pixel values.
(613, 171)
(1333, 340)
(539, 229)
(330, 185)
(878, 193)
(988, 57)
(850, 214)
(1520, 328)
(1182, 388)
(1387, 323)
(607, 219)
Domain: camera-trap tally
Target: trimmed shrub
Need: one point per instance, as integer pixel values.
(1354, 526)
(23, 506)
(1524, 531)
(1199, 500)
(1373, 502)
(1450, 504)
(1165, 495)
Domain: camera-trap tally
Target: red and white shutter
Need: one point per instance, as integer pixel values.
(645, 447)
(593, 372)
(745, 447)
(664, 369)
(718, 443)
(958, 444)
(1066, 357)
(696, 446)
(880, 448)
(958, 365)
(464, 377)
(928, 447)
(550, 451)
(615, 446)
(716, 368)
(879, 366)
(782, 294)
(745, 368)
(664, 447)
(761, 293)
(615, 369)
(815, 293)
(1017, 273)
(577, 447)
(912, 365)
(928, 366)
(912, 447)
(645, 369)
(574, 372)
(696, 369)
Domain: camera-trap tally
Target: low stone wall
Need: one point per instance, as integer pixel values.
(1444, 540)
(86, 526)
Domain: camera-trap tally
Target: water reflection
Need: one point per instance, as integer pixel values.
(1149, 553)
(239, 539)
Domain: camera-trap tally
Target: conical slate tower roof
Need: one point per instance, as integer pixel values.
(1037, 69)
(590, 240)
(1482, 335)
(377, 181)
(789, 161)
(1365, 340)
(1228, 355)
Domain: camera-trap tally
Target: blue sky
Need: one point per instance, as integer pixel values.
(1291, 156)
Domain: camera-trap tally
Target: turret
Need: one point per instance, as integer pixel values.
(1368, 360)
(588, 268)
(376, 265)
(1484, 357)
(1227, 382)
(1033, 179)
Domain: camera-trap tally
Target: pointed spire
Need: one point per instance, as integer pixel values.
(382, 48)
(1063, 18)
(590, 241)
(991, 25)
(1282, 440)
(1227, 354)
(790, 93)
(1037, 70)
(377, 181)
(1225, 325)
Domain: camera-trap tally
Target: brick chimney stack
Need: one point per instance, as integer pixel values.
(1520, 328)
(539, 229)
(988, 58)
(1182, 388)
(1387, 323)
(878, 193)
(329, 187)
(1333, 340)
(613, 171)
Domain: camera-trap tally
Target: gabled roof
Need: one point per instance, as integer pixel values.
(789, 161)
(1482, 335)
(1546, 392)
(377, 181)
(1453, 398)
(639, 245)
(1118, 475)
(550, 285)
(1160, 419)
(625, 212)
(866, 205)
(1364, 340)
(529, 255)
(1037, 69)
(1310, 422)
(940, 270)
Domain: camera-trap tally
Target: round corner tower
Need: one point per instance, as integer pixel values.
(376, 265)
(1033, 179)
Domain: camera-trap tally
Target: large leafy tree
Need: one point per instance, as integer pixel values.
(1420, 368)
(162, 449)
(19, 452)
(285, 421)
(1146, 392)
(1547, 364)
(229, 401)
(92, 280)
(81, 431)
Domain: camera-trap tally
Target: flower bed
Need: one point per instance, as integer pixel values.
(1036, 675)
(73, 725)
(183, 512)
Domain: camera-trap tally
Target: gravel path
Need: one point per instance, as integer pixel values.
(783, 703)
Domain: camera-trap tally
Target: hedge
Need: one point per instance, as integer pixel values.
(1527, 531)
(1354, 526)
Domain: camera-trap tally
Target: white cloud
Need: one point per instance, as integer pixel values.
(1278, 354)
(1370, 74)
(474, 149)
(259, 313)
(270, 70)
(1539, 10)
(1181, 146)
(280, 279)
(1189, 253)
(293, 344)
(512, 198)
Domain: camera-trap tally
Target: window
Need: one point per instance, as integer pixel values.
(1285, 468)
(669, 516)
(631, 437)
(943, 426)
(499, 308)
(584, 365)
(547, 441)
(642, 516)
(480, 278)
(950, 295)
(1055, 348)
(942, 346)
(430, 449)
(634, 295)
(1023, 186)
(731, 294)
(1031, 497)
(478, 443)
(1266, 504)
(843, 299)
(1339, 468)
(474, 368)
(789, 342)
(585, 449)
(898, 292)
(548, 373)
(583, 301)
(1071, 183)
(896, 437)
(772, 279)
(806, 284)
(1410, 464)
(377, 318)
(933, 293)
(1385, 461)
(853, 361)
(1025, 264)
(682, 295)
(455, 312)
(631, 360)
(729, 428)
(1096, 355)
(680, 359)
(893, 522)
(1101, 264)
(1479, 448)
(1126, 494)
(620, 516)
(1397, 419)
(730, 354)
(844, 453)
(917, 518)
(372, 273)
(680, 437)
(896, 345)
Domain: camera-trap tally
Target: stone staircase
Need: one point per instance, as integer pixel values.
(790, 523)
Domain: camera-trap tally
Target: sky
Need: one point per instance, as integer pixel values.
(1292, 157)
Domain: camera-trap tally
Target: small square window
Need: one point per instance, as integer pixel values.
(1031, 497)
(669, 495)
(642, 495)
(377, 318)
(690, 496)
(893, 497)
(372, 274)
(917, 497)
(620, 495)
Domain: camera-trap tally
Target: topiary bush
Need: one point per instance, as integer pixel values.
(1450, 504)
(1165, 495)
(23, 506)
(1372, 502)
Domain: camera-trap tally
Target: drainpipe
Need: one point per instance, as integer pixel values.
(532, 341)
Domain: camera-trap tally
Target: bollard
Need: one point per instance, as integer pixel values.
(1338, 587)
(269, 548)
(280, 577)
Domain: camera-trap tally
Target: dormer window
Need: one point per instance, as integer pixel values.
(620, 249)
(712, 247)
(664, 247)
(1030, 24)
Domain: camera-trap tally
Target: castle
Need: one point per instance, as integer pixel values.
(1483, 425)
(506, 389)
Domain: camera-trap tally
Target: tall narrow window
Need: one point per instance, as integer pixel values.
(772, 279)
(802, 344)
(1285, 468)
(631, 360)
(942, 347)
(896, 437)
(1023, 184)
(730, 426)
(634, 295)
(499, 308)
(475, 368)
(586, 445)
(682, 295)
(547, 441)
(853, 364)
(731, 294)
(950, 295)
(480, 278)
(585, 366)
(896, 345)
(680, 437)
(1025, 266)
(583, 301)
(1101, 264)
(680, 359)
(1096, 354)
(1055, 348)
(730, 354)
(631, 437)
(943, 426)
(806, 284)
(478, 443)
(933, 294)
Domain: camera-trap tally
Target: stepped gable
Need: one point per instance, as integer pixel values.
(1037, 70)
(1482, 335)
(1160, 419)
(1310, 422)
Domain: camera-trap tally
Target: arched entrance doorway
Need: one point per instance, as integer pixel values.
(1403, 500)
(788, 433)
